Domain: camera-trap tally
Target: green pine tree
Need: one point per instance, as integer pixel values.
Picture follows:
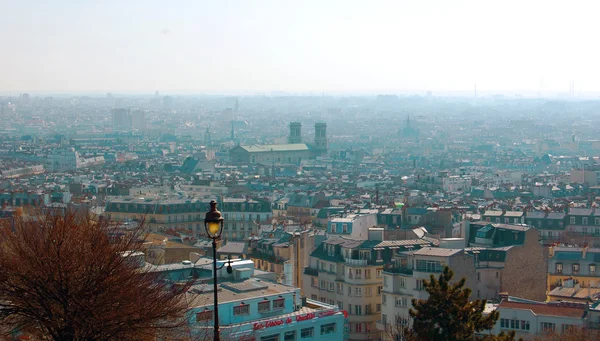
(448, 314)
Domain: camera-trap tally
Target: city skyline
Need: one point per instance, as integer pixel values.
(535, 48)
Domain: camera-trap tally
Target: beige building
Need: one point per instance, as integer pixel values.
(403, 281)
(349, 273)
(160, 250)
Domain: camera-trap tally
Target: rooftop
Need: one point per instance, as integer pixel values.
(437, 251)
(275, 147)
(545, 309)
(232, 292)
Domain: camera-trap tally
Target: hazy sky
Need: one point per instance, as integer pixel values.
(342, 46)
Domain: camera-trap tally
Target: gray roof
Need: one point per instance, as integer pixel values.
(275, 148)
(437, 251)
(233, 247)
(580, 211)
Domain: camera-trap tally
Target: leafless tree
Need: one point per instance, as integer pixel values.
(66, 277)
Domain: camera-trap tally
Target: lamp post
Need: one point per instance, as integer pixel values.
(213, 223)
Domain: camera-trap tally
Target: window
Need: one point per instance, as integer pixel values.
(273, 337)
(340, 288)
(323, 285)
(314, 297)
(584, 221)
(242, 309)
(332, 268)
(278, 304)
(479, 276)
(264, 306)
(596, 221)
(358, 273)
(547, 326)
(331, 286)
(567, 327)
(592, 269)
(358, 291)
(575, 269)
(369, 292)
(402, 282)
(358, 327)
(344, 228)
(305, 333)
(559, 268)
(378, 308)
(333, 228)
(328, 328)
(385, 281)
(314, 281)
(358, 309)
(383, 299)
(379, 289)
(428, 266)
(340, 305)
(289, 335)
(350, 309)
(349, 291)
(525, 325)
(401, 301)
(503, 323)
(378, 273)
(420, 285)
(206, 315)
(572, 220)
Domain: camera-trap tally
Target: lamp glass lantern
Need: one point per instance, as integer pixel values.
(213, 221)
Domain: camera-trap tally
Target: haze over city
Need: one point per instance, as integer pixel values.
(299, 170)
(534, 48)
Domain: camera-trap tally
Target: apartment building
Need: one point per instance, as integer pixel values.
(283, 250)
(349, 273)
(573, 264)
(403, 280)
(529, 318)
(187, 215)
(498, 251)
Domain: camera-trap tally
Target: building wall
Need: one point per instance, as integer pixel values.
(330, 283)
(535, 322)
(525, 278)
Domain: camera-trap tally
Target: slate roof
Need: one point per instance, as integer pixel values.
(436, 251)
(275, 148)
(233, 248)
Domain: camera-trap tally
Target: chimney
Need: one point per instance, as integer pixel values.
(503, 296)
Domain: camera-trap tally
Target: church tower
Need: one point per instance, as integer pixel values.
(295, 133)
(321, 137)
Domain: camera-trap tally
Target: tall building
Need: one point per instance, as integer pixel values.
(295, 133)
(121, 119)
(321, 137)
(138, 119)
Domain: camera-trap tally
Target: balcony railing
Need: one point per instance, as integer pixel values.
(356, 262)
(405, 271)
(311, 271)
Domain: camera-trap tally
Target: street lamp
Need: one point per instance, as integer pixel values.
(213, 223)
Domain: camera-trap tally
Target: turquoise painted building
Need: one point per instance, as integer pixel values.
(254, 309)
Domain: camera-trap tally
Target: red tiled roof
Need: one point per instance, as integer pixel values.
(544, 309)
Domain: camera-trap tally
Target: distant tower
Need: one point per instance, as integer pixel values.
(295, 132)
(207, 140)
(232, 131)
(237, 106)
(321, 136)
